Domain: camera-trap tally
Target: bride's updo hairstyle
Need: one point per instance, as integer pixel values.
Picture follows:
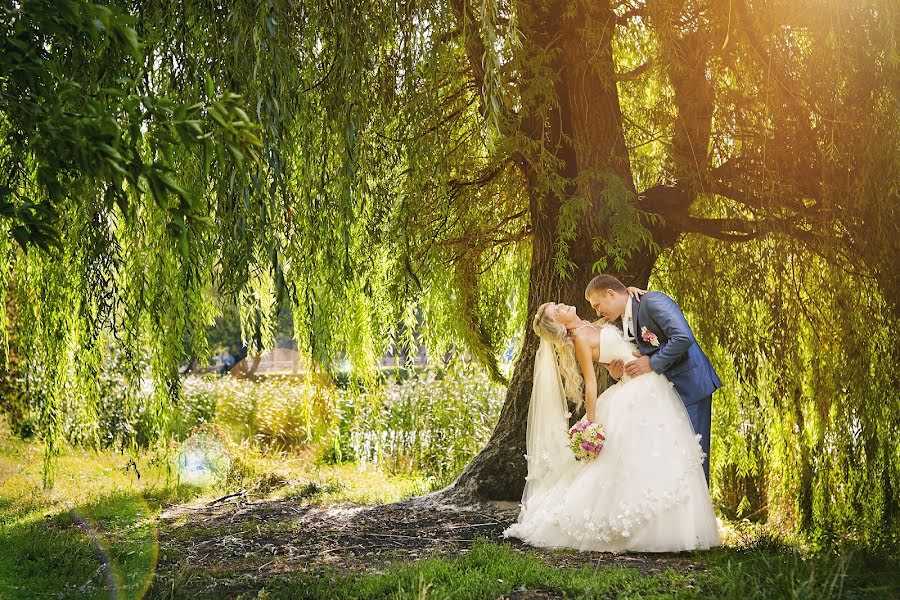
(548, 328)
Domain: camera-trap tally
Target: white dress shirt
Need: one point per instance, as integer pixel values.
(627, 323)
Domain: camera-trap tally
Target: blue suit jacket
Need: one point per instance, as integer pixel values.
(678, 356)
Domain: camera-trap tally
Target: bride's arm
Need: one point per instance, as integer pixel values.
(635, 292)
(586, 361)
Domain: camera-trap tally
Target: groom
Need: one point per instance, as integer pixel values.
(667, 346)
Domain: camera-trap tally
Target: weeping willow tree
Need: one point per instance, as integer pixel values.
(447, 166)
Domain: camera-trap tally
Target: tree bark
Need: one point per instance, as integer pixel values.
(586, 129)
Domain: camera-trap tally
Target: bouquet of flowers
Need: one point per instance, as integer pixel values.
(586, 439)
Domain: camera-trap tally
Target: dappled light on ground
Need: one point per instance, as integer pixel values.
(118, 526)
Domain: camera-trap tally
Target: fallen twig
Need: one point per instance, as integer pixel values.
(227, 497)
(415, 537)
(473, 525)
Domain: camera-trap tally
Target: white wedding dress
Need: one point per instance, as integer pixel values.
(645, 491)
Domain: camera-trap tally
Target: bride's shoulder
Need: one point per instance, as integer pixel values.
(588, 336)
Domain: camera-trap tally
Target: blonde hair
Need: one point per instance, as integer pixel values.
(548, 328)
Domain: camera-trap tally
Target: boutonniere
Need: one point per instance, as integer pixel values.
(649, 337)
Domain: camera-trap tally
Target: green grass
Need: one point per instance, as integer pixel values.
(95, 531)
(489, 570)
(492, 570)
(94, 536)
(94, 547)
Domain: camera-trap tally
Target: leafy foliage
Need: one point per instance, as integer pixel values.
(805, 428)
(392, 168)
(429, 424)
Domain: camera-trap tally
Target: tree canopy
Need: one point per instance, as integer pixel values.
(366, 162)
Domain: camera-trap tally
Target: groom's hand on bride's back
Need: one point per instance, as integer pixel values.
(615, 368)
(638, 366)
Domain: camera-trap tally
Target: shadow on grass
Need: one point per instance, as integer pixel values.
(106, 548)
(497, 570)
(765, 572)
(109, 548)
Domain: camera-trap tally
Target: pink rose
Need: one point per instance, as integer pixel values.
(649, 337)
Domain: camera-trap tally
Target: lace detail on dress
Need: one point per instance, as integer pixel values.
(619, 520)
(646, 490)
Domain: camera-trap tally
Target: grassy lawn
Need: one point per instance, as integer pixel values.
(494, 570)
(95, 536)
(95, 531)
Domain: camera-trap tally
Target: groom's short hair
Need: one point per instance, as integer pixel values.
(604, 282)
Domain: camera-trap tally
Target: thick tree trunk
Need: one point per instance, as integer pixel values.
(498, 472)
(586, 127)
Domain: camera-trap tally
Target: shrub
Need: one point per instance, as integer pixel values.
(429, 423)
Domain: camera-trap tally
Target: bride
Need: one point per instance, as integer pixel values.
(646, 490)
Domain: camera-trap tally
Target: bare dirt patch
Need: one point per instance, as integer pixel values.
(257, 540)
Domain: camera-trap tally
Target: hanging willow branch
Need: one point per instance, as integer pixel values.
(443, 167)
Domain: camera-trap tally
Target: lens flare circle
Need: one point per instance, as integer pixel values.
(202, 460)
